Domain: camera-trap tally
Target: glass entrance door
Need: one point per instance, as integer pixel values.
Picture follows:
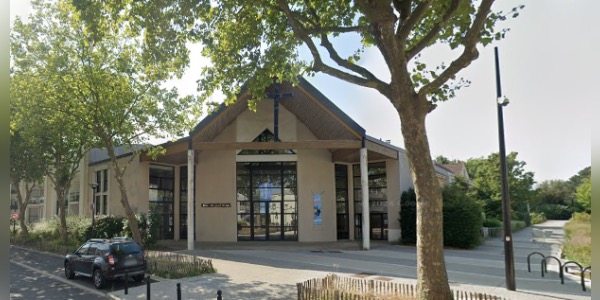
(266, 197)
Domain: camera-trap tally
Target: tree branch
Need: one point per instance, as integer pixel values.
(412, 19)
(430, 36)
(345, 63)
(469, 52)
(318, 65)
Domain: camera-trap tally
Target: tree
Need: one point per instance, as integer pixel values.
(583, 194)
(578, 178)
(486, 183)
(554, 192)
(53, 137)
(251, 42)
(26, 170)
(98, 82)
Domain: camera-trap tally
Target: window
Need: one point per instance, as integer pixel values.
(265, 136)
(377, 181)
(341, 201)
(183, 200)
(267, 206)
(101, 201)
(162, 187)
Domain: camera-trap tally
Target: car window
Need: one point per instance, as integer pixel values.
(92, 249)
(83, 249)
(126, 248)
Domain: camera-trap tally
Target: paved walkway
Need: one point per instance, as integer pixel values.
(260, 270)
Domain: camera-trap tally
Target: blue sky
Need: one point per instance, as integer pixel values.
(548, 66)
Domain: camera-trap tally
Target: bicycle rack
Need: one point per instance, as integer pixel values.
(582, 271)
(529, 261)
(560, 267)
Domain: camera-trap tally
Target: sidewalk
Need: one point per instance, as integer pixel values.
(271, 271)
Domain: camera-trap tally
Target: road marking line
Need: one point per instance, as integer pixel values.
(85, 288)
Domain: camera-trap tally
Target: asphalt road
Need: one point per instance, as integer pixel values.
(36, 275)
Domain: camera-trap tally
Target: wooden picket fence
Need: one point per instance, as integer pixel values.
(177, 265)
(334, 287)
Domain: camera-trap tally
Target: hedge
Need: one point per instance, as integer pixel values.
(462, 217)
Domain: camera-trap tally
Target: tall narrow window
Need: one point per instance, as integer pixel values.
(377, 201)
(183, 200)
(162, 185)
(341, 201)
(102, 192)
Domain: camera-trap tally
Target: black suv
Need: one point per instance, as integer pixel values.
(104, 259)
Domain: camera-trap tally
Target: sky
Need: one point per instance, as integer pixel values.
(548, 66)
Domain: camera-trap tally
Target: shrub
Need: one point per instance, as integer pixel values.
(462, 217)
(555, 211)
(408, 217)
(516, 225)
(537, 218)
(106, 228)
(148, 226)
(492, 222)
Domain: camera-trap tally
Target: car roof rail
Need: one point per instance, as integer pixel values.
(121, 238)
(98, 240)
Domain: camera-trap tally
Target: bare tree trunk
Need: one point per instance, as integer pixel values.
(22, 205)
(135, 231)
(431, 268)
(59, 188)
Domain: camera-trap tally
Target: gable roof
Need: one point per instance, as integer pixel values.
(340, 134)
(317, 112)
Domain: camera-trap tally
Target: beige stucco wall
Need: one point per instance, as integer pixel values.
(316, 175)
(215, 183)
(135, 180)
(216, 177)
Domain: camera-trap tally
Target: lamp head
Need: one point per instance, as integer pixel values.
(504, 101)
(93, 185)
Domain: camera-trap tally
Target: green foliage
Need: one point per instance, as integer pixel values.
(462, 217)
(106, 228)
(408, 216)
(555, 211)
(175, 266)
(554, 192)
(486, 182)
(578, 239)
(492, 222)
(148, 225)
(583, 194)
(516, 225)
(538, 217)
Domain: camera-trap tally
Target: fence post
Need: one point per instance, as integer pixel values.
(219, 295)
(126, 283)
(148, 287)
(178, 291)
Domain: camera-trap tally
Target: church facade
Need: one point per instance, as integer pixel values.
(296, 169)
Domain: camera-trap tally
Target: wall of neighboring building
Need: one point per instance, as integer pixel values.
(135, 180)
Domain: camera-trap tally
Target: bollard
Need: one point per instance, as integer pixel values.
(178, 291)
(126, 283)
(219, 295)
(148, 287)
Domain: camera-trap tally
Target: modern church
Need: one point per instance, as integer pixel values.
(291, 171)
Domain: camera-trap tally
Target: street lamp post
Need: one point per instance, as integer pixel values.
(509, 264)
(93, 185)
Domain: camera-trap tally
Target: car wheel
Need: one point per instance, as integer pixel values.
(69, 270)
(99, 280)
(138, 278)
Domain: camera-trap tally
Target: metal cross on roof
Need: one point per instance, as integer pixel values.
(276, 96)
